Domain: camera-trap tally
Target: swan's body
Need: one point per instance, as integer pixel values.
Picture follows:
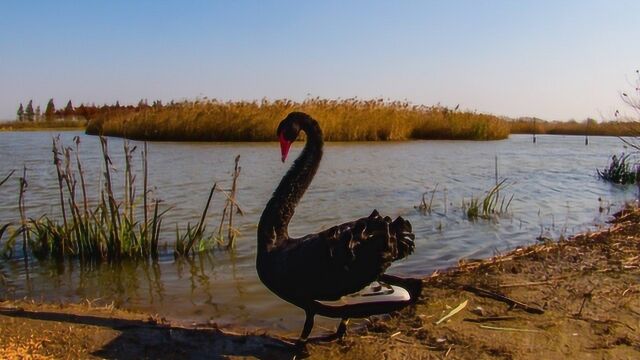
(329, 273)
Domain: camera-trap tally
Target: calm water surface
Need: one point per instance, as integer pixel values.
(555, 192)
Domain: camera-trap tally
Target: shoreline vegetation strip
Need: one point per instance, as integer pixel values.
(342, 120)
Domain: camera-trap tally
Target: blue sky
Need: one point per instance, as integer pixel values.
(551, 59)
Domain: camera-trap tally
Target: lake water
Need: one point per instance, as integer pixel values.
(553, 183)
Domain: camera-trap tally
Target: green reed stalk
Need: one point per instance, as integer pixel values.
(89, 241)
(145, 193)
(156, 223)
(59, 171)
(23, 217)
(71, 183)
(222, 218)
(83, 185)
(115, 245)
(184, 243)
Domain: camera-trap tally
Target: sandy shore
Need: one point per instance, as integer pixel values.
(575, 299)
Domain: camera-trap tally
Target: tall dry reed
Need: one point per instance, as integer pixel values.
(587, 127)
(341, 120)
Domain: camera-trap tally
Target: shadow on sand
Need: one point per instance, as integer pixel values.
(141, 339)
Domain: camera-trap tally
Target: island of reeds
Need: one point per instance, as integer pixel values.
(342, 120)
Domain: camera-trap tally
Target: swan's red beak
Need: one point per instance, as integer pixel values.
(284, 146)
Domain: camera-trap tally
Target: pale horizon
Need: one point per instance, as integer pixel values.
(555, 61)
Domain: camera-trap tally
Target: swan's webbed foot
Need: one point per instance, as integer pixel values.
(300, 348)
(338, 335)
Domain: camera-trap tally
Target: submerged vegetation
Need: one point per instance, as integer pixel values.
(341, 120)
(112, 229)
(619, 171)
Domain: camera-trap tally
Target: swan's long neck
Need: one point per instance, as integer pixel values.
(274, 222)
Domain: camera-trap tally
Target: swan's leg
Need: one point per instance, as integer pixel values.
(306, 330)
(342, 328)
(338, 335)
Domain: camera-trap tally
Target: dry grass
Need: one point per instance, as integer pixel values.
(586, 127)
(341, 120)
(43, 125)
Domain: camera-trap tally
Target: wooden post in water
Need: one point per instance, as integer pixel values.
(586, 132)
(236, 172)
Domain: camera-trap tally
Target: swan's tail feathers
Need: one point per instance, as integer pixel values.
(412, 285)
(401, 230)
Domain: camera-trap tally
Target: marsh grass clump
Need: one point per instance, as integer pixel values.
(196, 239)
(491, 205)
(112, 229)
(619, 171)
(341, 120)
(116, 227)
(195, 236)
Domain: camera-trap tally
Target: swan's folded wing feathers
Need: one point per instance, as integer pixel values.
(358, 253)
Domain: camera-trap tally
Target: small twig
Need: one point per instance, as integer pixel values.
(489, 318)
(403, 340)
(511, 302)
(508, 329)
(532, 283)
(7, 177)
(586, 296)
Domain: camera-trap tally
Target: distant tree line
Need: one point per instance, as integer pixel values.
(82, 112)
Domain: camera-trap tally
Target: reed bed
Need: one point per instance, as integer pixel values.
(341, 120)
(587, 127)
(70, 124)
(112, 229)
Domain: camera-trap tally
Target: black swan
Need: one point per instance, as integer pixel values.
(339, 272)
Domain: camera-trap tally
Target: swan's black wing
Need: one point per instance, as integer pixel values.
(343, 259)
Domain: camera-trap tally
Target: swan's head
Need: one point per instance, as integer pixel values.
(288, 131)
